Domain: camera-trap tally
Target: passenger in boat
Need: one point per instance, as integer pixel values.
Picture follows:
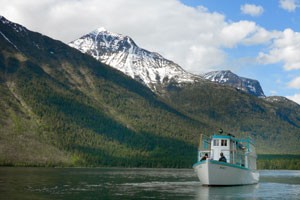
(222, 158)
(204, 157)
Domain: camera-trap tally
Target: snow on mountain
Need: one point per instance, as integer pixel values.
(122, 53)
(150, 68)
(226, 77)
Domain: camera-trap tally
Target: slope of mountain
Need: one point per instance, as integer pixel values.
(116, 50)
(286, 109)
(226, 77)
(59, 106)
(122, 53)
(81, 112)
(274, 125)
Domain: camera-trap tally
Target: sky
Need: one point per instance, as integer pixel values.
(254, 39)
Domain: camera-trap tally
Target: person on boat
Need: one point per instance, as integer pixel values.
(204, 157)
(222, 158)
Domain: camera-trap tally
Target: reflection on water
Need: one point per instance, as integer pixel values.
(118, 183)
(237, 192)
(274, 184)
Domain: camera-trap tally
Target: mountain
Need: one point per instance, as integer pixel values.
(150, 68)
(60, 107)
(286, 109)
(191, 97)
(226, 77)
(122, 53)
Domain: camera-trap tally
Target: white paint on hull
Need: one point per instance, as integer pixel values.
(215, 173)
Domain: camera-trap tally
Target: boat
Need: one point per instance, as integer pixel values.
(237, 165)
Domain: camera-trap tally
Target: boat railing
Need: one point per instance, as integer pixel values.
(247, 142)
(236, 157)
(202, 153)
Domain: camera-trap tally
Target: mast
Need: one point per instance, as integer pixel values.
(200, 141)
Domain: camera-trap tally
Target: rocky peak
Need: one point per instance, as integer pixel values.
(122, 53)
(226, 77)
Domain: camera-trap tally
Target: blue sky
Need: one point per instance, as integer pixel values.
(271, 15)
(254, 39)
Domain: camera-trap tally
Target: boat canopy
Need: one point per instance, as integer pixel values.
(239, 152)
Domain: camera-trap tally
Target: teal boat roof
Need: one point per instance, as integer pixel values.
(218, 136)
(231, 137)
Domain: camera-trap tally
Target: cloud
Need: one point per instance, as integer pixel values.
(285, 48)
(295, 98)
(234, 33)
(251, 9)
(288, 5)
(195, 38)
(295, 83)
(260, 36)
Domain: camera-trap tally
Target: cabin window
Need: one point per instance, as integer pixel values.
(216, 142)
(223, 142)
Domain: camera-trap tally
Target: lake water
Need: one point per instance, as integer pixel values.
(120, 183)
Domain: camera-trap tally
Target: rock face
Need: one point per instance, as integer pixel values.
(150, 68)
(122, 53)
(226, 77)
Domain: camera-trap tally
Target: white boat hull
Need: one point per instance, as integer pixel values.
(215, 173)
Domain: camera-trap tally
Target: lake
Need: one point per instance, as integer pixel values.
(121, 183)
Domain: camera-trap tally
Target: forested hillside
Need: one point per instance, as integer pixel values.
(273, 124)
(59, 107)
(77, 111)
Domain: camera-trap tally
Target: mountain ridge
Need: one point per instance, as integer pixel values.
(150, 68)
(226, 77)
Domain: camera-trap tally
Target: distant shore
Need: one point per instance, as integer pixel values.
(264, 161)
(275, 161)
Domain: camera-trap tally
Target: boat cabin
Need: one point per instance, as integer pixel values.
(240, 152)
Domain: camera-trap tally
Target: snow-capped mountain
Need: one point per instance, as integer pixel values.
(122, 53)
(150, 68)
(226, 77)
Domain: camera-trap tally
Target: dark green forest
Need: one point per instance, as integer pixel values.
(273, 161)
